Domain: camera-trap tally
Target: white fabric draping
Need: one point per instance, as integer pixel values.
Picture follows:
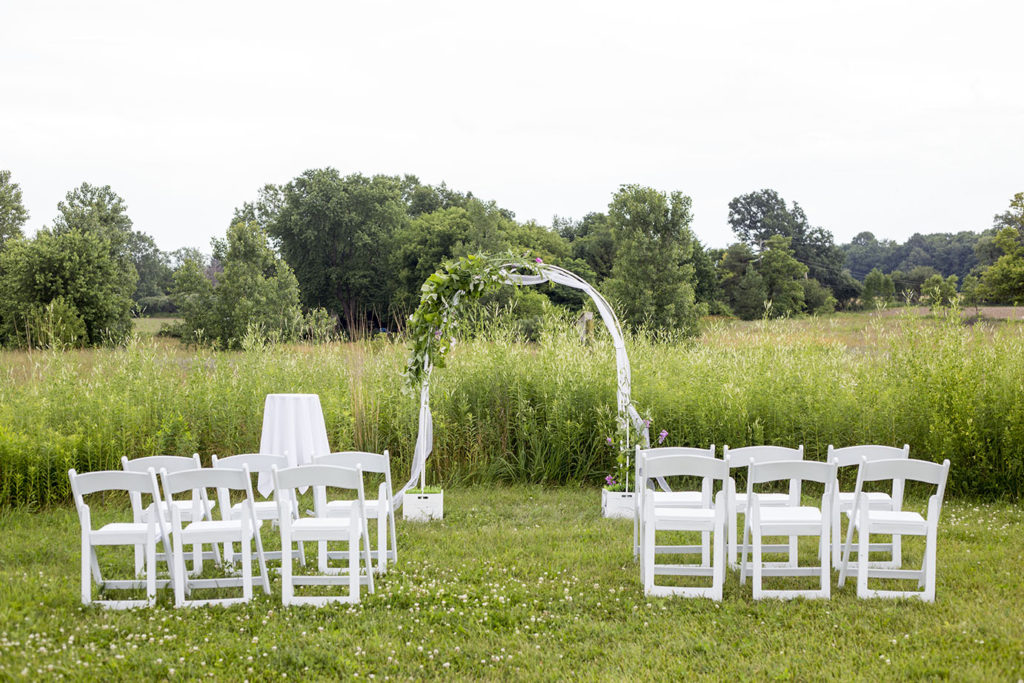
(293, 426)
(627, 413)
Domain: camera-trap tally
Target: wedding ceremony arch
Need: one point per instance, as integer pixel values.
(471, 276)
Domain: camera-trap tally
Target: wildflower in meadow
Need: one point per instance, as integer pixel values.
(661, 437)
(610, 480)
(609, 441)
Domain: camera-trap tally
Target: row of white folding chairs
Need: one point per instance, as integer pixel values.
(783, 514)
(239, 522)
(382, 508)
(737, 502)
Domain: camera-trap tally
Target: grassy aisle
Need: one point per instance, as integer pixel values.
(522, 582)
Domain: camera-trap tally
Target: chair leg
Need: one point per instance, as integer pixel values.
(794, 551)
(756, 542)
(863, 538)
(286, 566)
(321, 556)
(247, 562)
(86, 572)
(733, 521)
(302, 555)
(647, 555)
(382, 544)
(717, 557)
(825, 557)
(151, 571)
(353, 563)
(179, 577)
(197, 558)
(394, 536)
(705, 549)
(746, 545)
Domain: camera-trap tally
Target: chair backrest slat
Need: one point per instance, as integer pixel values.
(743, 457)
(854, 455)
(256, 462)
(779, 470)
(685, 466)
(111, 480)
(188, 480)
(913, 470)
(171, 463)
(369, 462)
(319, 475)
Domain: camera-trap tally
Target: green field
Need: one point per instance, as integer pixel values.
(522, 582)
(512, 412)
(147, 327)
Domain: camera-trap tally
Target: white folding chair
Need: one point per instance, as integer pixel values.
(743, 457)
(136, 533)
(266, 510)
(665, 497)
(866, 521)
(382, 509)
(877, 500)
(791, 520)
(705, 518)
(171, 463)
(350, 528)
(242, 530)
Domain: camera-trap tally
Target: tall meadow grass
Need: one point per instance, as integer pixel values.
(510, 411)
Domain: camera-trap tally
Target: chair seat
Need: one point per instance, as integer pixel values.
(321, 529)
(120, 533)
(183, 506)
(876, 501)
(217, 530)
(767, 500)
(684, 519)
(342, 508)
(773, 518)
(898, 521)
(677, 498)
(264, 509)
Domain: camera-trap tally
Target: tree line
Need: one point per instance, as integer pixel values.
(326, 252)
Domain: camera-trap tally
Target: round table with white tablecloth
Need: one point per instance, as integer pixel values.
(293, 426)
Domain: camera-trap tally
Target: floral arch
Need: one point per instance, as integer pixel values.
(430, 326)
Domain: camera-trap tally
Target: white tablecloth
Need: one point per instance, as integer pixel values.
(293, 426)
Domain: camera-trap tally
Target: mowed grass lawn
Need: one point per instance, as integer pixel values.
(522, 582)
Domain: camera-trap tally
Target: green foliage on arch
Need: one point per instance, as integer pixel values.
(432, 325)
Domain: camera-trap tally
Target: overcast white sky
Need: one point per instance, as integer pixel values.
(894, 117)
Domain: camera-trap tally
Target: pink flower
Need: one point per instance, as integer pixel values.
(609, 480)
(661, 437)
(609, 441)
(539, 260)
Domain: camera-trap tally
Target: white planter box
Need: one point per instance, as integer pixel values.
(423, 507)
(617, 503)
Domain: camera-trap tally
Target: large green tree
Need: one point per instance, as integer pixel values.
(13, 214)
(652, 280)
(71, 275)
(756, 216)
(783, 275)
(1003, 281)
(100, 210)
(255, 293)
(336, 233)
(878, 288)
